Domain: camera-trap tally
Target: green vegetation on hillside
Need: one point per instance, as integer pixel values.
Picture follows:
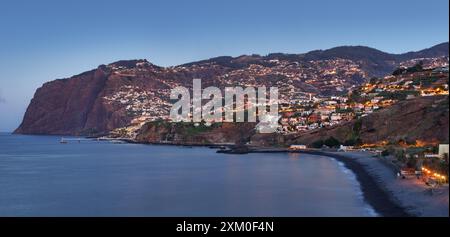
(398, 95)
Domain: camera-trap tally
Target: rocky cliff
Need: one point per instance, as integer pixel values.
(82, 104)
(187, 133)
(68, 106)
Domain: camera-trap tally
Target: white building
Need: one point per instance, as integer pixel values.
(443, 149)
(297, 147)
(345, 148)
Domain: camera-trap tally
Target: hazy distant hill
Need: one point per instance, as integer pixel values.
(437, 50)
(376, 62)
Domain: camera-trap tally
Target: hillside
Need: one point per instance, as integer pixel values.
(175, 133)
(424, 119)
(131, 91)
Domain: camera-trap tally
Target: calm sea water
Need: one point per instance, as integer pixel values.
(41, 177)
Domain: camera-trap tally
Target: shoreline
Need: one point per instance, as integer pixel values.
(380, 199)
(382, 189)
(374, 194)
(376, 188)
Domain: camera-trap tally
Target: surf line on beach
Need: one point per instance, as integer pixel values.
(383, 202)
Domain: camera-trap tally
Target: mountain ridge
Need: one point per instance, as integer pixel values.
(438, 50)
(113, 95)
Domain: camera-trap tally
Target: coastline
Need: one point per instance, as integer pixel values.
(382, 189)
(374, 194)
(378, 197)
(388, 195)
(382, 200)
(374, 175)
(411, 194)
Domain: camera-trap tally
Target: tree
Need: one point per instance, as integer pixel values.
(373, 80)
(411, 163)
(399, 71)
(332, 142)
(355, 96)
(400, 155)
(349, 142)
(416, 68)
(357, 127)
(317, 144)
(353, 142)
(385, 153)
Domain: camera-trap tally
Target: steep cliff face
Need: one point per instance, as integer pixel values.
(73, 106)
(176, 133)
(82, 104)
(425, 119)
(64, 106)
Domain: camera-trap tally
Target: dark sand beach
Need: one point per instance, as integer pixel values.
(389, 195)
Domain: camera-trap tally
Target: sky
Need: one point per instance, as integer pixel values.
(44, 40)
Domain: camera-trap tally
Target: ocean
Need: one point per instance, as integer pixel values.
(39, 176)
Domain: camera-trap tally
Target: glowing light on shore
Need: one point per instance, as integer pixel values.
(436, 175)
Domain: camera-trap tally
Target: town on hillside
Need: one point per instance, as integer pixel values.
(304, 111)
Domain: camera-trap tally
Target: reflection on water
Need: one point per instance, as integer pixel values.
(41, 177)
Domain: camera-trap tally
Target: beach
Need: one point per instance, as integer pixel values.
(390, 195)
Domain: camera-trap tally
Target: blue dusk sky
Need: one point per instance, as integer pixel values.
(45, 40)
